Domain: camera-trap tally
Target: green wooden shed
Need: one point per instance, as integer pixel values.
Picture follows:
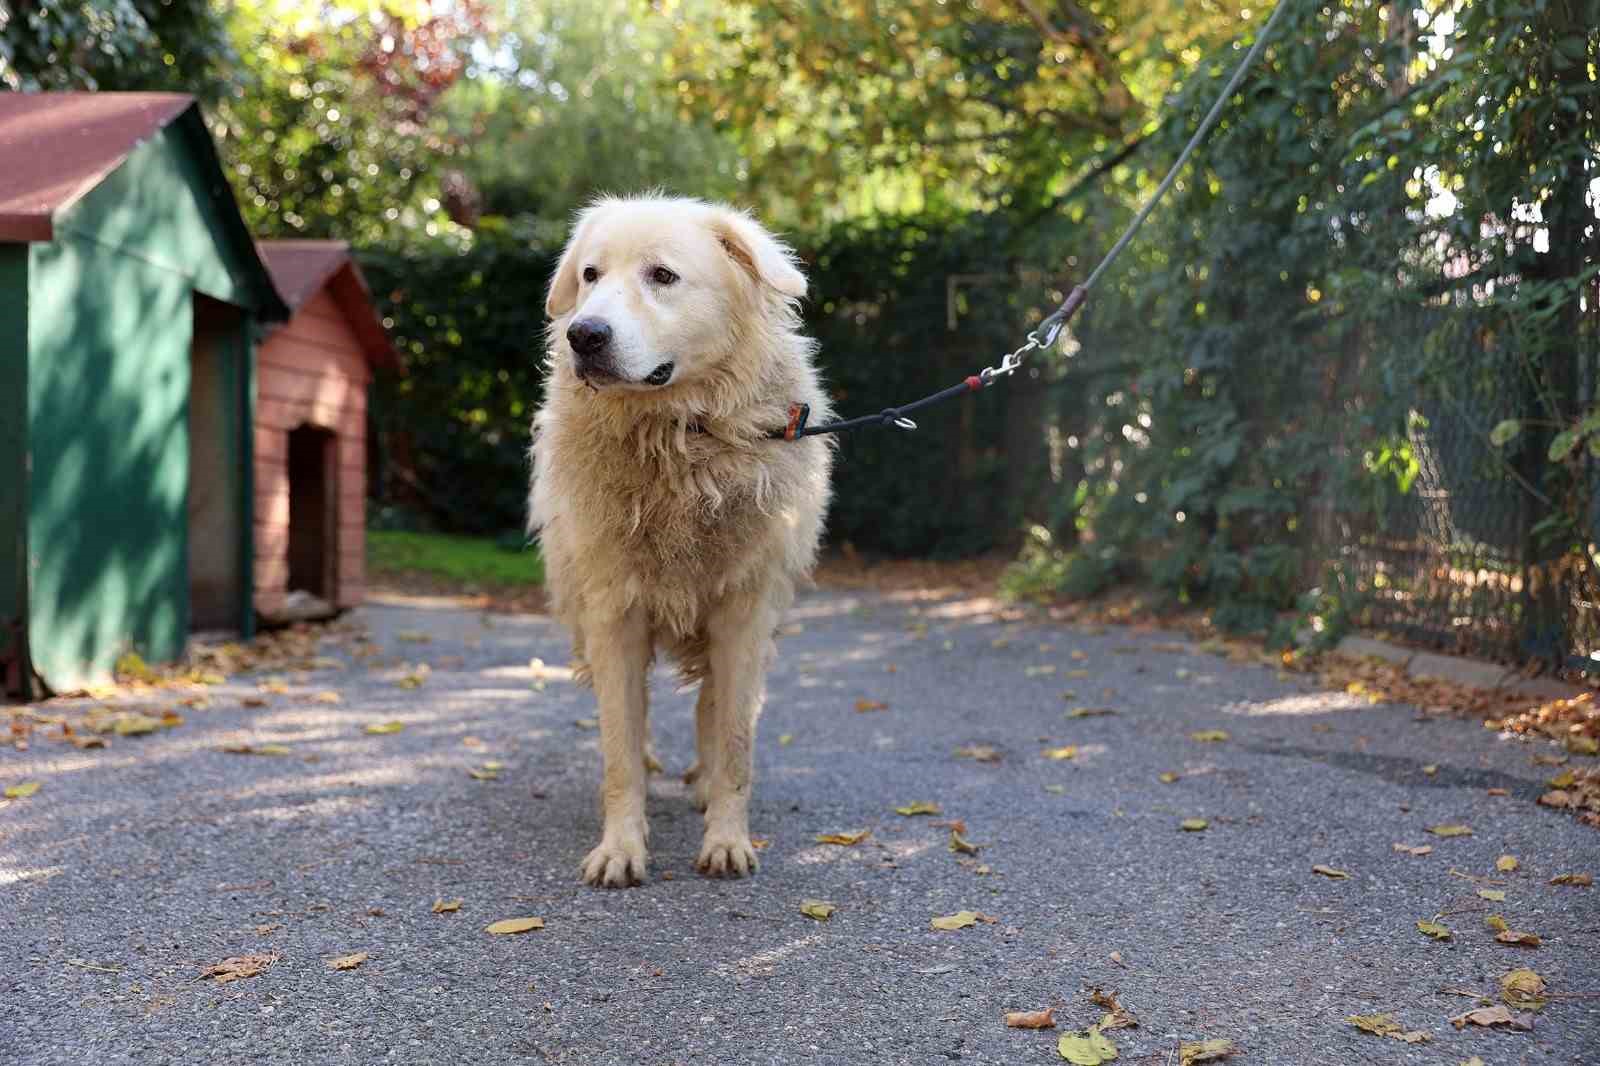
(130, 293)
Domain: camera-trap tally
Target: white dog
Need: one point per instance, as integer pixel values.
(670, 519)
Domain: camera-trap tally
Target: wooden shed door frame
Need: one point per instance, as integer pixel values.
(314, 511)
(229, 334)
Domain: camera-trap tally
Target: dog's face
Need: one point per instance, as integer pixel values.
(649, 290)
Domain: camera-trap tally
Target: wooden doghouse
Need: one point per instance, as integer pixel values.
(130, 298)
(310, 436)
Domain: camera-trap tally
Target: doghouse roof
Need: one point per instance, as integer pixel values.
(58, 147)
(302, 268)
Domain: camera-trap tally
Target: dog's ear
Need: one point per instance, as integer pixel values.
(757, 252)
(563, 294)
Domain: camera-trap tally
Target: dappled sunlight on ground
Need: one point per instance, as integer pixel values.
(1299, 704)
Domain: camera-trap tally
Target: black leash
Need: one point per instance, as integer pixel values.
(1054, 322)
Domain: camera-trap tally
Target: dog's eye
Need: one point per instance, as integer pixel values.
(590, 274)
(663, 276)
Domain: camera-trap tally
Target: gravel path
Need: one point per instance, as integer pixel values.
(134, 868)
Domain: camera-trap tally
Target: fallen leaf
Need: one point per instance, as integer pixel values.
(1431, 769)
(267, 928)
(1557, 798)
(348, 962)
(1497, 923)
(22, 791)
(412, 636)
(238, 968)
(1488, 1016)
(134, 725)
(1493, 895)
(1583, 745)
(960, 844)
(785, 739)
(1377, 1024)
(1410, 849)
(1565, 779)
(327, 696)
(586, 723)
(1079, 655)
(1032, 1019)
(1076, 675)
(483, 773)
(1088, 1048)
(384, 728)
(912, 809)
(252, 701)
(1116, 957)
(1450, 830)
(1118, 1018)
(1549, 760)
(844, 839)
(1190, 1052)
(1506, 863)
(760, 843)
(1474, 1061)
(1573, 879)
(1090, 712)
(1498, 792)
(1068, 751)
(979, 752)
(1434, 929)
(959, 920)
(414, 677)
(1056, 790)
(1415, 1036)
(820, 909)
(1210, 736)
(1193, 825)
(1168, 778)
(446, 906)
(864, 705)
(515, 925)
(1047, 670)
(1523, 989)
(1329, 871)
(1511, 936)
(257, 749)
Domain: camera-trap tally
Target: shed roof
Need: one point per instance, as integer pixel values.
(302, 268)
(58, 146)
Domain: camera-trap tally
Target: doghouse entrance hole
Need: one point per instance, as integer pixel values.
(312, 518)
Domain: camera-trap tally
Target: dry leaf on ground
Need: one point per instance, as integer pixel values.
(1193, 825)
(960, 844)
(1117, 1016)
(446, 906)
(1032, 1019)
(1493, 895)
(1068, 751)
(238, 967)
(257, 749)
(348, 962)
(911, 809)
(1330, 872)
(959, 920)
(1086, 1048)
(1386, 1025)
(979, 753)
(1190, 1051)
(1450, 830)
(1512, 936)
(385, 728)
(844, 839)
(1491, 1016)
(515, 925)
(22, 791)
(864, 705)
(1506, 863)
(1410, 849)
(1210, 736)
(1090, 712)
(1434, 929)
(1168, 778)
(1573, 879)
(1523, 989)
(820, 909)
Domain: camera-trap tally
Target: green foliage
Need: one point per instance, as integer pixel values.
(1044, 571)
(474, 561)
(167, 45)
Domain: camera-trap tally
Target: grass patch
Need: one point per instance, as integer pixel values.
(480, 562)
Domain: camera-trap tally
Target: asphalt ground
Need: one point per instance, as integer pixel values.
(135, 868)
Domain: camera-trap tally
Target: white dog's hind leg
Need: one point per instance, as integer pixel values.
(740, 630)
(705, 737)
(618, 651)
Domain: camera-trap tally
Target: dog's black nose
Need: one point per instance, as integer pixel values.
(588, 336)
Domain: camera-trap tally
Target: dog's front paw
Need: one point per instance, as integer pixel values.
(727, 855)
(616, 863)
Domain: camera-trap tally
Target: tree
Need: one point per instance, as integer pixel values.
(174, 45)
